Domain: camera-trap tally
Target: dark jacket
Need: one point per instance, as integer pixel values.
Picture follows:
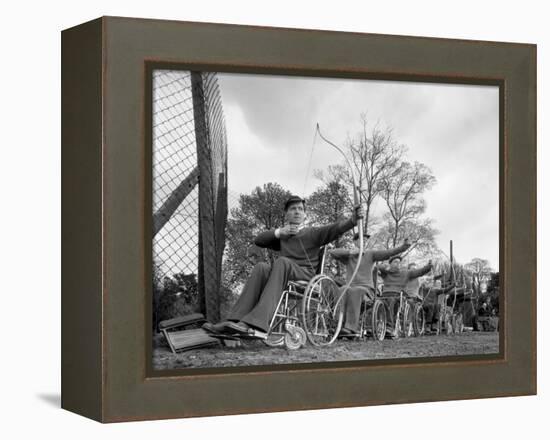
(396, 280)
(303, 248)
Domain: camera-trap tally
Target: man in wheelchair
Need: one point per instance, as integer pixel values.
(363, 282)
(298, 247)
(395, 281)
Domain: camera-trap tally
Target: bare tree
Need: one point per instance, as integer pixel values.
(375, 155)
(420, 232)
(481, 272)
(402, 191)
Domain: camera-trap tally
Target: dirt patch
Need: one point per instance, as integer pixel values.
(257, 353)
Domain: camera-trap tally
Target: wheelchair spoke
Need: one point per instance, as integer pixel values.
(321, 320)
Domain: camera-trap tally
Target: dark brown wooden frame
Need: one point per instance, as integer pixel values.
(106, 215)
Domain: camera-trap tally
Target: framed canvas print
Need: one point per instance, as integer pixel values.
(341, 219)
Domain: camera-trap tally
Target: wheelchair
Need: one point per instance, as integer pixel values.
(307, 311)
(408, 314)
(373, 319)
(372, 316)
(418, 318)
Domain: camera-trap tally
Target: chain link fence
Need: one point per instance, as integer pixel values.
(189, 182)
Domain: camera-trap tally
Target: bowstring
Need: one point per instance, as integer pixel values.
(309, 162)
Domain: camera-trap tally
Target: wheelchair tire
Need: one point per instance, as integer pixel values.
(378, 323)
(322, 318)
(407, 329)
(274, 340)
(459, 323)
(294, 338)
(448, 324)
(419, 320)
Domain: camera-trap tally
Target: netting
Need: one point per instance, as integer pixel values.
(189, 180)
(175, 243)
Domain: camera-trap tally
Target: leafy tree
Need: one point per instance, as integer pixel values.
(173, 296)
(260, 210)
(329, 204)
(494, 282)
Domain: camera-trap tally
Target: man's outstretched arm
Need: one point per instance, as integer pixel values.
(381, 255)
(449, 287)
(328, 233)
(341, 253)
(419, 272)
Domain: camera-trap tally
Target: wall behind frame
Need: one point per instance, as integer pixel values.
(31, 376)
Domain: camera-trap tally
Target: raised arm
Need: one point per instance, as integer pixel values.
(341, 253)
(449, 287)
(381, 255)
(328, 233)
(267, 239)
(419, 272)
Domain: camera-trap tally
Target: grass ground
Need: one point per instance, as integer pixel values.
(257, 353)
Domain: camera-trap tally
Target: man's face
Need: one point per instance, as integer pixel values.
(395, 264)
(438, 284)
(295, 214)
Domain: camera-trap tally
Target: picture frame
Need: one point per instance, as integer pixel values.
(106, 246)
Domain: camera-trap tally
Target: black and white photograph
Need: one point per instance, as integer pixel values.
(232, 220)
(310, 220)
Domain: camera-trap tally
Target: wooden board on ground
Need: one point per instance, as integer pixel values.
(189, 339)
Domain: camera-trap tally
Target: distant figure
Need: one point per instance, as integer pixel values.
(433, 301)
(482, 321)
(363, 283)
(412, 287)
(395, 280)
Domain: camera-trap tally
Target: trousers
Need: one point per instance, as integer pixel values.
(352, 305)
(263, 289)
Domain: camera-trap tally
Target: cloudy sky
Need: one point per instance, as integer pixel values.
(453, 129)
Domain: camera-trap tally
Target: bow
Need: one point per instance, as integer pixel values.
(453, 273)
(356, 201)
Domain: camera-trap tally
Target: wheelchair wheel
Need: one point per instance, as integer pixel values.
(378, 320)
(419, 320)
(407, 321)
(274, 340)
(459, 323)
(448, 324)
(322, 320)
(294, 338)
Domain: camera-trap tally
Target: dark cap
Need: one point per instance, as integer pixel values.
(294, 199)
(396, 257)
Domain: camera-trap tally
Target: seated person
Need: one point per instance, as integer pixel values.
(482, 321)
(362, 284)
(395, 280)
(299, 248)
(412, 287)
(433, 299)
